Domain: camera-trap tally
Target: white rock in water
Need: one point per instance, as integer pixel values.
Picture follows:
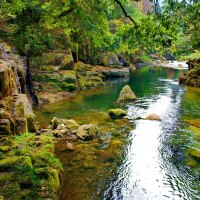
(153, 116)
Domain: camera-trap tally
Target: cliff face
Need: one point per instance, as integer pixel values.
(16, 115)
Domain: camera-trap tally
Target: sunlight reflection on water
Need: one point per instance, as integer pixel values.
(147, 173)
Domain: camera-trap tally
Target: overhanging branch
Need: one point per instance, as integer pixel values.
(125, 13)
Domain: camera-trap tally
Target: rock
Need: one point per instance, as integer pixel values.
(69, 124)
(120, 72)
(5, 127)
(153, 116)
(32, 123)
(4, 149)
(10, 163)
(54, 180)
(68, 76)
(70, 146)
(87, 131)
(117, 113)
(126, 94)
(60, 126)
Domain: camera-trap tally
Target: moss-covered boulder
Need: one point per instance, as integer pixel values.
(192, 78)
(87, 131)
(117, 113)
(70, 124)
(126, 94)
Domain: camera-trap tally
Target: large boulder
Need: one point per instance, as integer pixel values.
(117, 113)
(87, 131)
(126, 94)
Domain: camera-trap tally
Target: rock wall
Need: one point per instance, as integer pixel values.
(192, 78)
(55, 75)
(16, 115)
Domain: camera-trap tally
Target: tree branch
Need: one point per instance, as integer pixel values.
(125, 13)
(66, 12)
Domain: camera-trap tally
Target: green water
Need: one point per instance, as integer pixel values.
(133, 159)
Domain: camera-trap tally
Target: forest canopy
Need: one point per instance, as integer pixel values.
(101, 25)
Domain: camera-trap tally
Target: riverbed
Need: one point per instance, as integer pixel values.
(133, 158)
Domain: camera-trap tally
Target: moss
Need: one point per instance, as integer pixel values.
(5, 130)
(10, 163)
(117, 113)
(195, 153)
(126, 94)
(68, 87)
(68, 76)
(4, 149)
(193, 122)
(54, 180)
(31, 122)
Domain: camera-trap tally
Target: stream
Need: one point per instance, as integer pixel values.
(133, 159)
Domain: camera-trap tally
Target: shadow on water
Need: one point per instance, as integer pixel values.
(133, 159)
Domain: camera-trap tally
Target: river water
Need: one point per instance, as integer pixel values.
(133, 159)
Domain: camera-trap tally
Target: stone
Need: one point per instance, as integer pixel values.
(54, 180)
(70, 124)
(126, 94)
(153, 116)
(68, 76)
(70, 146)
(120, 72)
(5, 127)
(117, 113)
(32, 123)
(87, 131)
(11, 162)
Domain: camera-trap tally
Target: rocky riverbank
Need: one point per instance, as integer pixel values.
(192, 78)
(28, 166)
(56, 76)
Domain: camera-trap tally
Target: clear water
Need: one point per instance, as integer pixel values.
(149, 160)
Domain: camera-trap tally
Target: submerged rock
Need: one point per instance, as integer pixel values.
(126, 94)
(153, 116)
(87, 131)
(117, 113)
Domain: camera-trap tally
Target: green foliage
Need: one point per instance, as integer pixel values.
(90, 26)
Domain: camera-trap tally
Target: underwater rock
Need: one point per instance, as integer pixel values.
(117, 113)
(87, 131)
(153, 116)
(126, 94)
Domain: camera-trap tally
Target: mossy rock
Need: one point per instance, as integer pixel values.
(54, 180)
(195, 153)
(11, 163)
(193, 122)
(68, 76)
(117, 113)
(126, 94)
(67, 62)
(4, 149)
(50, 68)
(68, 86)
(70, 124)
(32, 123)
(5, 127)
(87, 131)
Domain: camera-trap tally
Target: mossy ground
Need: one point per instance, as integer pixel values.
(29, 168)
